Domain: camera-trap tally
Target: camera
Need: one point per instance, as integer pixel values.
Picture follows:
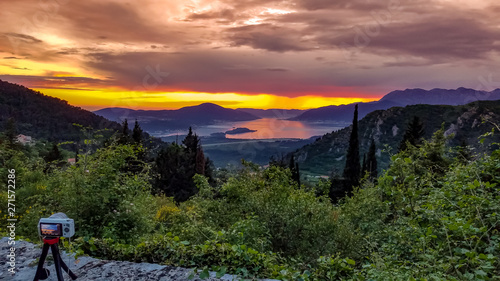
(57, 225)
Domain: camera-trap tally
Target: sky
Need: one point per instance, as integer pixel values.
(155, 54)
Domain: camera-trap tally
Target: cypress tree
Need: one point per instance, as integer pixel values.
(352, 168)
(209, 171)
(371, 161)
(294, 168)
(200, 161)
(279, 161)
(54, 155)
(363, 167)
(297, 174)
(413, 134)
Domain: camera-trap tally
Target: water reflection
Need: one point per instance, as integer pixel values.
(275, 128)
(267, 128)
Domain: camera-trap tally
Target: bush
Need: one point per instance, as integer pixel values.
(103, 200)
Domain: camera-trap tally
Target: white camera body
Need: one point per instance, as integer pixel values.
(57, 225)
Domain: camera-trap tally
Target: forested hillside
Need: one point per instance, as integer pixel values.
(387, 128)
(44, 117)
(430, 216)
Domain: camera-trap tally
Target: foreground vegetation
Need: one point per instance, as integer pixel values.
(432, 215)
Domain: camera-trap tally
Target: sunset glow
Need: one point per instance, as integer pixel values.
(263, 54)
(98, 99)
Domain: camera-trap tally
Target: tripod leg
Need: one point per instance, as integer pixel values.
(65, 268)
(45, 251)
(57, 261)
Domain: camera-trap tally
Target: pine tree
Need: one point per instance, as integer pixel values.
(413, 134)
(191, 142)
(125, 135)
(189, 166)
(352, 168)
(371, 161)
(191, 149)
(137, 133)
(169, 177)
(176, 165)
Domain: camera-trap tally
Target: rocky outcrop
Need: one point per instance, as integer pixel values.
(91, 269)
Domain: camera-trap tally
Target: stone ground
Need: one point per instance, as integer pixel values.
(90, 269)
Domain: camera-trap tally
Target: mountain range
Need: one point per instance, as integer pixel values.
(343, 113)
(208, 113)
(53, 119)
(160, 120)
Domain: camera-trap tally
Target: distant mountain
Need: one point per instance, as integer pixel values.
(273, 113)
(161, 120)
(343, 113)
(44, 117)
(387, 127)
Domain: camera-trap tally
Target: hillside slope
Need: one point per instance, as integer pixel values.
(44, 117)
(387, 127)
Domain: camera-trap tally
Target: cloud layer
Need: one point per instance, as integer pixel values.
(289, 48)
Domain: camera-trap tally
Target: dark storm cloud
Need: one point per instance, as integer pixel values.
(378, 27)
(440, 38)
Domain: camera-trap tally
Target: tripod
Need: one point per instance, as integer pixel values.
(42, 273)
